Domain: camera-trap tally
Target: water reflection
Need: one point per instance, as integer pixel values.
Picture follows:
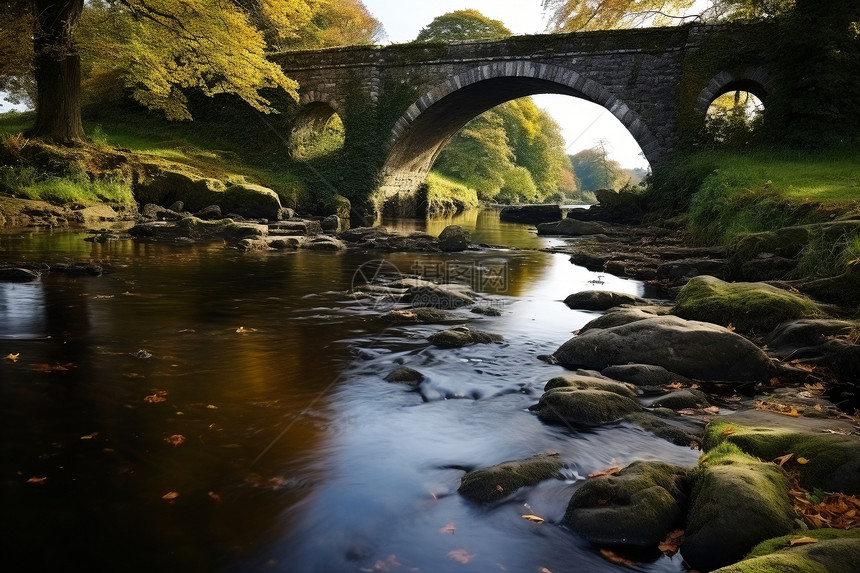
(297, 456)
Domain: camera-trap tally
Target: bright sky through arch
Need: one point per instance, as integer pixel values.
(582, 122)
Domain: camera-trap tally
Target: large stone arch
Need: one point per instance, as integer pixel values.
(757, 81)
(428, 124)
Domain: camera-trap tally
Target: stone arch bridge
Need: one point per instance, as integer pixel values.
(401, 104)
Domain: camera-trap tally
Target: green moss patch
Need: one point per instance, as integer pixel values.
(750, 307)
(836, 551)
(499, 481)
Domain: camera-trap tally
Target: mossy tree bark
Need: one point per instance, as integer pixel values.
(57, 71)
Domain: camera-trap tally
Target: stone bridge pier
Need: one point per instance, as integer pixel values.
(401, 104)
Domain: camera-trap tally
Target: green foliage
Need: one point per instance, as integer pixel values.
(334, 23)
(462, 25)
(515, 140)
(734, 121)
(729, 194)
(596, 171)
(30, 183)
(823, 257)
(310, 142)
(445, 195)
(519, 187)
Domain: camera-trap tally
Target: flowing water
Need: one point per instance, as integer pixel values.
(296, 455)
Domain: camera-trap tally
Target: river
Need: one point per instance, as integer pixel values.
(200, 409)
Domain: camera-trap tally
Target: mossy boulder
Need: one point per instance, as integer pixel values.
(499, 481)
(750, 307)
(198, 229)
(454, 238)
(462, 336)
(677, 430)
(419, 315)
(165, 188)
(836, 551)
(583, 407)
(602, 300)
(405, 375)
(843, 289)
(444, 296)
(619, 317)
(693, 349)
(737, 503)
(570, 228)
(833, 458)
(251, 201)
(639, 506)
(580, 382)
(682, 399)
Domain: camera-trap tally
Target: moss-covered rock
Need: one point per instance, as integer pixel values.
(834, 458)
(737, 503)
(454, 238)
(405, 375)
(638, 507)
(693, 349)
(843, 289)
(618, 317)
(677, 431)
(419, 315)
(837, 551)
(590, 407)
(750, 307)
(445, 296)
(251, 201)
(499, 481)
(167, 187)
(681, 399)
(602, 300)
(462, 336)
(580, 382)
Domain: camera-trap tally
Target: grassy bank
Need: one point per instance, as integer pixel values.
(445, 195)
(729, 194)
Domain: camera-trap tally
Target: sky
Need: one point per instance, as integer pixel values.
(583, 123)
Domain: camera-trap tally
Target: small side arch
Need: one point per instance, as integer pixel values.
(755, 81)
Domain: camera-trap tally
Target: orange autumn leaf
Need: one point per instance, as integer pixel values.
(12, 357)
(449, 528)
(156, 398)
(802, 461)
(533, 518)
(461, 556)
(37, 480)
(170, 496)
(802, 541)
(90, 436)
(613, 471)
(673, 541)
(782, 459)
(175, 440)
(728, 431)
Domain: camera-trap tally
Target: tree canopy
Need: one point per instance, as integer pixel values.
(576, 15)
(462, 25)
(596, 171)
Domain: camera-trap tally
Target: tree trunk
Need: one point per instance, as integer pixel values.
(57, 71)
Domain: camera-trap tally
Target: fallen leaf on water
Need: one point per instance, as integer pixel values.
(243, 330)
(449, 528)
(159, 396)
(802, 461)
(211, 407)
(37, 480)
(12, 357)
(782, 459)
(688, 412)
(461, 556)
(674, 386)
(544, 570)
(673, 541)
(613, 471)
(712, 410)
(48, 368)
(616, 559)
(170, 496)
(175, 440)
(533, 518)
(802, 541)
(215, 497)
(90, 436)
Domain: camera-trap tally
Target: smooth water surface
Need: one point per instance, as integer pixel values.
(295, 454)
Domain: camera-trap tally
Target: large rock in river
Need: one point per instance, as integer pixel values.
(835, 551)
(583, 407)
(499, 481)
(462, 336)
(571, 228)
(750, 307)
(638, 507)
(738, 502)
(252, 202)
(454, 238)
(531, 213)
(693, 349)
(602, 300)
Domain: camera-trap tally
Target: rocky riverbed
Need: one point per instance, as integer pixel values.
(759, 376)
